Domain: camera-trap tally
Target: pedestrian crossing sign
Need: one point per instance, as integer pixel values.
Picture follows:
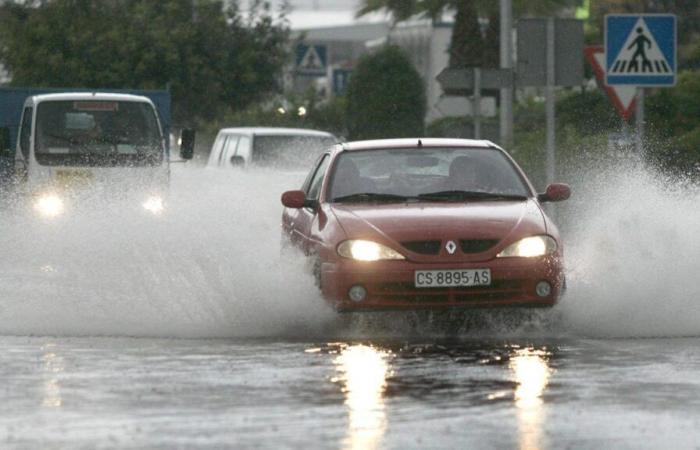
(311, 59)
(640, 49)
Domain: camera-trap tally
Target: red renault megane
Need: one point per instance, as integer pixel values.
(405, 224)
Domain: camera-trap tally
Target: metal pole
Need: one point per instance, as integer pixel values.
(476, 107)
(506, 50)
(551, 159)
(639, 117)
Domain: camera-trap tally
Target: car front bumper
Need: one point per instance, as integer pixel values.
(390, 284)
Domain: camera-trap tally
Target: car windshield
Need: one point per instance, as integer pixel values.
(449, 174)
(97, 133)
(289, 151)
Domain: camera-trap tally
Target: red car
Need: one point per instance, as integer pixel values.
(404, 224)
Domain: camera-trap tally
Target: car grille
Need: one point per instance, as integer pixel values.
(423, 247)
(498, 290)
(477, 245)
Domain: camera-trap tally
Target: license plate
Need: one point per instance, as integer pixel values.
(452, 278)
(73, 178)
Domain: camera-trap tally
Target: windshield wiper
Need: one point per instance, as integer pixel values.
(469, 195)
(372, 197)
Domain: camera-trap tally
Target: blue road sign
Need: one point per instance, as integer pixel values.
(640, 49)
(340, 80)
(311, 59)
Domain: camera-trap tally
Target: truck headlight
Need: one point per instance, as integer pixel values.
(154, 204)
(49, 205)
(362, 250)
(530, 247)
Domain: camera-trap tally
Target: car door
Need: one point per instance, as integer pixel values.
(301, 220)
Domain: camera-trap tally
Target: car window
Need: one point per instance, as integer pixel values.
(25, 133)
(317, 180)
(417, 171)
(220, 149)
(288, 151)
(243, 148)
(310, 175)
(230, 149)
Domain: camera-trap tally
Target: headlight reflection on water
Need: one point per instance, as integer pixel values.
(53, 367)
(531, 372)
(363, 371)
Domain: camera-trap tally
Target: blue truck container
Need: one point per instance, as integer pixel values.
(12, 100)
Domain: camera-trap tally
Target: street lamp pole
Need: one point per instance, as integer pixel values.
(506, 52)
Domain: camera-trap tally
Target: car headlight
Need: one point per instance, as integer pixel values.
(362, 250)
(530, 247)
(49, 205)
(154, 204)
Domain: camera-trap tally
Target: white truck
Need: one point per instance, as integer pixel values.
(72, 146)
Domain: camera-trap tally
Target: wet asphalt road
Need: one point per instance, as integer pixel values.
(526, 393)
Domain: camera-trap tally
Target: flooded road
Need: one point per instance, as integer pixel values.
(515, 393)
(191, 330)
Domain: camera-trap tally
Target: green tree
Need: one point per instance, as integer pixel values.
(211, 57)
(470, 45)
(467, 44)
(385, 97)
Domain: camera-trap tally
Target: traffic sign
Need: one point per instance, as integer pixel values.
(311, 59)
(451, 106)
(640, 49)
(531, 67)
(341, 77)
(622, 97)
(459, 80)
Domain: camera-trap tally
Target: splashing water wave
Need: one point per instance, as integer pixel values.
(211, 266)
(632, 255)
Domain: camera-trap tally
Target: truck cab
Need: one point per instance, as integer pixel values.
(71, 146)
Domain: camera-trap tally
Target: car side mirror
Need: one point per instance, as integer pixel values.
(555, 192)
(187, 143)
(237, 161)
(297, 199)
(5, 148)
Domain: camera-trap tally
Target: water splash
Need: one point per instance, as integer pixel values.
(632, 255)
(209, 267)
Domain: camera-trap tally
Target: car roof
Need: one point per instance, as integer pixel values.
(274, 131)
(91, 96)
(380, 144)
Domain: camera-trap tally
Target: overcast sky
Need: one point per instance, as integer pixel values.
(324, 13)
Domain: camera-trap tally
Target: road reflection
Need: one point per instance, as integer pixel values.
(531, 372)
(362, 373)
(53, 367)
(456, 375)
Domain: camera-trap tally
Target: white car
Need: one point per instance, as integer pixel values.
(287, 148)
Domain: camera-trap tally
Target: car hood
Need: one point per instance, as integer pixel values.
(502, 221)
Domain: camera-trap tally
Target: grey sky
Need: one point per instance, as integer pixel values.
(324, 13)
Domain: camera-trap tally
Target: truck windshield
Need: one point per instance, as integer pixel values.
(97, 133)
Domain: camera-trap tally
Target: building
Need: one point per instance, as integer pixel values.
(326, 56)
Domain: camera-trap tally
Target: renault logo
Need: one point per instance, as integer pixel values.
(451, 247)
